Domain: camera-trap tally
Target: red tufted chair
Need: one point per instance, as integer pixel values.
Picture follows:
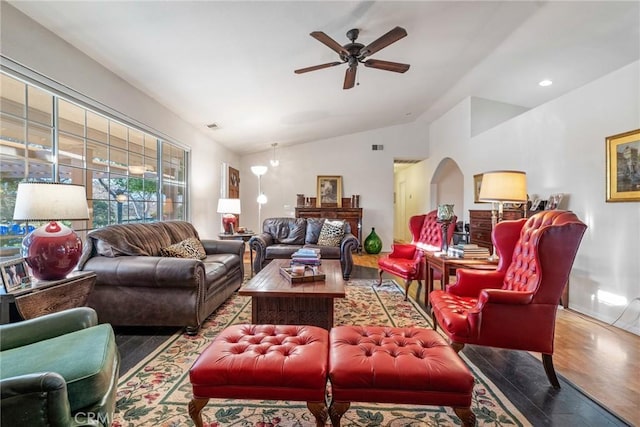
(407, 260)
(515, 306)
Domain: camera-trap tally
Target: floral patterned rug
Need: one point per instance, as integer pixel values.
(156, 392)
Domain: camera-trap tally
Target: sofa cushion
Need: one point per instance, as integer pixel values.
(288, 231)
(327, 252)
(280, 251)
(314, 226)
(84, 358)
(331, 234)
(188, 248)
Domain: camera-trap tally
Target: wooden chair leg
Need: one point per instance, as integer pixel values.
(195, 410)
(457, 346)
(547, 362)
(336, 411)
(319, 410)
(466, 415)
(407, 283)
(380, 277)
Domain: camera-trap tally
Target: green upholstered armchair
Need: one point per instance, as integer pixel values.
(58, 370)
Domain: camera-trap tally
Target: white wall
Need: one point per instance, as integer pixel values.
(364, 172)
(561, 146)
(34, 47)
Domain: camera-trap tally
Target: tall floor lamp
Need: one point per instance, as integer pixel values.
(502, 187)
(262, 199)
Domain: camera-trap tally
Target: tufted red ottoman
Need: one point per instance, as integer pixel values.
(396, 365)
(263, 362)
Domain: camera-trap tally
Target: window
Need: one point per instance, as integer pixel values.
(130, 175)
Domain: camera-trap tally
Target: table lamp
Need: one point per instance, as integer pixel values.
(502, 187)
(229, 208)
(445, 217)
(54, 249)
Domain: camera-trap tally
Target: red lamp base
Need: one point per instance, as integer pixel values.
(229, 222)
(52, 251)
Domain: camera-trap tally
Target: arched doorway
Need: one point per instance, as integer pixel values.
(447, 186)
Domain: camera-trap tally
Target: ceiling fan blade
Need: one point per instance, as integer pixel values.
(392, 36)
(350, 77)
(387, 65)
(328, 41)
(317, 67)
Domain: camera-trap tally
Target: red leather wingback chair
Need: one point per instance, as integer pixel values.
(407, 260)
(515, 306)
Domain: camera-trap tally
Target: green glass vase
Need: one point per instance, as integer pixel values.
(373, 244)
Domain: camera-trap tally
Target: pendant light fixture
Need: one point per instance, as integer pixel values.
(274, 160)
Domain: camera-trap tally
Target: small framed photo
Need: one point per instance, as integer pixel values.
(477, 184)
(554, 201)
(623, 167)
(329, 192)
(536, 204)
(15, 275)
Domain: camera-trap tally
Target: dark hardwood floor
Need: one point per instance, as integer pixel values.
(519, 375)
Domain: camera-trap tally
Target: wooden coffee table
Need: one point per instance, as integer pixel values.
(274, 300)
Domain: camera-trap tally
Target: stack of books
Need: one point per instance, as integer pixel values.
(306, 256)
(468, 251)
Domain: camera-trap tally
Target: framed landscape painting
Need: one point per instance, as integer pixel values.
(623, 167)
(329, 192)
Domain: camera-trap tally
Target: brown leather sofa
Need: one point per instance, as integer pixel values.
(136, 286)
(281, 237)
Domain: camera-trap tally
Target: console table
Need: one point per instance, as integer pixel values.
(351, 215)
(44, 297)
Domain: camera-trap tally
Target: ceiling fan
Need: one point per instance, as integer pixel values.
(354, 53)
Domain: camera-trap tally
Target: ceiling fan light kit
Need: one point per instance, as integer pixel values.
(355, 53)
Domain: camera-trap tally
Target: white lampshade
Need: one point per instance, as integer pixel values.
(503, 186)
(229, 206)
(45, 201)
(259, 170)
(262, 199)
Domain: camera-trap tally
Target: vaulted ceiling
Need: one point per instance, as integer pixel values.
(231, 62)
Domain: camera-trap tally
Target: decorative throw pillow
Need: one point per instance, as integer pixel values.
(331, 234)
(188, 248)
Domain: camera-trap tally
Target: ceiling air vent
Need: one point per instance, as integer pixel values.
(377, 147)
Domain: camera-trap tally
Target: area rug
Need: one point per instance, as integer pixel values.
(156, 392)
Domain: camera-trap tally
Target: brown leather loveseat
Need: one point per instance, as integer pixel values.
(137, 286)
(281, 237)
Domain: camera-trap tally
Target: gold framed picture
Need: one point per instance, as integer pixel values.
(477, 183)
(623, 167)
(329, 191)
(15, 275)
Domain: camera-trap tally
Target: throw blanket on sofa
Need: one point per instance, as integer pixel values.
(145, 239)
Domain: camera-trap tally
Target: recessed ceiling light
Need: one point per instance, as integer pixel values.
(545, 82)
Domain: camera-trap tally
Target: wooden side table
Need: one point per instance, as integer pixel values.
(240, 236)
(236, 236)
(44, 297)
(445, 264)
